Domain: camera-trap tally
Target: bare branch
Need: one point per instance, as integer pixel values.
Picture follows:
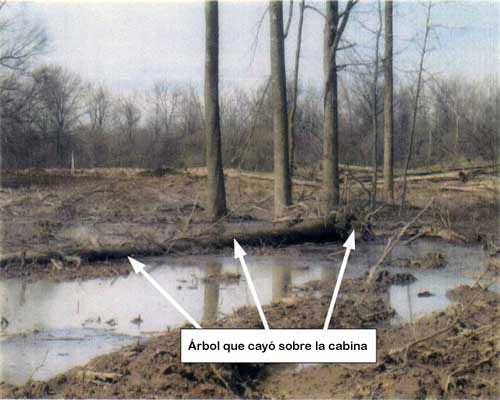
(416, 102)
(255, 42)
(20, 41)
(316, 10)
(289, 21)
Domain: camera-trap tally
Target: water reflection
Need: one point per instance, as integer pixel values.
(409, 306)
(42, 356)
(410, 309)
(114, 304)
(22, 295)
(80, 310)
(211, 291)
(282, 281)
(329, 273)
(64, 324)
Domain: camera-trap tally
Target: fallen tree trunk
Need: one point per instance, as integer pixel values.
(435, 232)
(260, 176)
(454, 174)
(469, 189)
(313, 230)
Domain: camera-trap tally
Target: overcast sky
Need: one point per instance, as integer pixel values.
(129, 45)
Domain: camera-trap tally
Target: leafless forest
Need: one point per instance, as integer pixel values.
(48, 112)
(384, 141)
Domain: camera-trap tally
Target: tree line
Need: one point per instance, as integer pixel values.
(358, 116)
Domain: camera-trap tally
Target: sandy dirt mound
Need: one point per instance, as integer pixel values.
(452, 353)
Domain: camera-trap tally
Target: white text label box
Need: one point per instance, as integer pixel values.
(278, 346)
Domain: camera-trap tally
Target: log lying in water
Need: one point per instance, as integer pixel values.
(328, 229)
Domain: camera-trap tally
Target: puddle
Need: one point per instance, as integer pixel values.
(45, 354)
(463, 266)
(76, 321)
(409, 306)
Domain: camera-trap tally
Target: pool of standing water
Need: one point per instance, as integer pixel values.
(54, 326)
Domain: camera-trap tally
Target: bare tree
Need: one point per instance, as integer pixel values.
(335, 24)
(388, 105)
(375, 107)
(423, 52)
(191, 112)
(98, 108)
(164, 101)
(19, 142)
(216, 193)
(21, 40)
(282, 181)
(473, 102)
(295, 92)
(129, 117)
(59, 93)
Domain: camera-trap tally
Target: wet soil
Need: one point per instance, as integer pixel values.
(113, 268)
(153, 369)
(53, 216)
(451, 353)
(431, 260)
(58, 223)
(448, 354)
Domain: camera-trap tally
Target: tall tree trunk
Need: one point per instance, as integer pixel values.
(59, 146)
(330, 124)
(375, 109)
(388, 106)
(291, 125)
(429, 146)
(58, 149)
(423, 51)
(216, 193)
(433, 129)
(282, 181)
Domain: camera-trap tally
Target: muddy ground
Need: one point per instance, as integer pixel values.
(154, 369)
(448, 354)
(52, 218)
(452, 353)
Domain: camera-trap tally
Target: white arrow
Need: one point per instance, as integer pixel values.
(349, 245)
(139, 269)
(240, 254)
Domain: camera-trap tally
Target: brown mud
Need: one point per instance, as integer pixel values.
(153, 369)
(55, 220)
(451, 353)
(59, 222)
(448, 354)
(431, 260)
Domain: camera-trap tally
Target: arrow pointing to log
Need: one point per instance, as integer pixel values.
(240, 254)
(139, 269)
(349, 245)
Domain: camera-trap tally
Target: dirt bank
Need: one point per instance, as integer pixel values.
(451, 353)
(448, 354)
(153, 369)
